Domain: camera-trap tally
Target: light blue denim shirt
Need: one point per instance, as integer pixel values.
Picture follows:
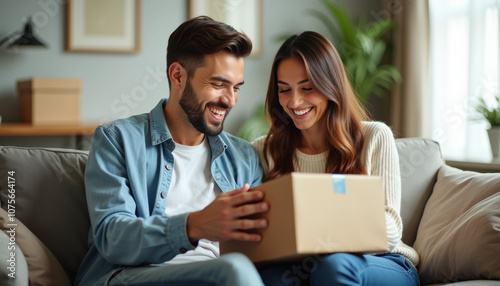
(127, 180)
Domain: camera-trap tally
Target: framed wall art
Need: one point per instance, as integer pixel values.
(243, 15)
(111, 26)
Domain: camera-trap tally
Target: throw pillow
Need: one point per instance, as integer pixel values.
(459, 234)
(43, 267)
(13, 267)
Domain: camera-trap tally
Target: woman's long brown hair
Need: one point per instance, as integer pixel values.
(344, 113)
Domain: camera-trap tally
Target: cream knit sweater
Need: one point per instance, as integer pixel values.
(380, 158)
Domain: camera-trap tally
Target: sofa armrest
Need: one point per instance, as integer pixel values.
(419, 161)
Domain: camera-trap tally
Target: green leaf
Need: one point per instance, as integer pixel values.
(282, 38)
(327, 21)
(342, 19)
(489, 112)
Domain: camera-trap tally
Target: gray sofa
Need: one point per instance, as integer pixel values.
(51, 221)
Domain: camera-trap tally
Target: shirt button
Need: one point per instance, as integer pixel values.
(163, 195)
(183, 250)
(168, 167)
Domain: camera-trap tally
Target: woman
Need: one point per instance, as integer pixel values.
(318, 127)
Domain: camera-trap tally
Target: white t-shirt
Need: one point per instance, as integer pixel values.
(191, 189)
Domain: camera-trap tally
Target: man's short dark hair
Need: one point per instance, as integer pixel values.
(201, 36)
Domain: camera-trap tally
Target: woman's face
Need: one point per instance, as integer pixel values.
(298, 98)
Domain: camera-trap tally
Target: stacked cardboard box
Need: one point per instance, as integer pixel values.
(49, 101)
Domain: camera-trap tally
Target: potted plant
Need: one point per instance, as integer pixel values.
(361, 47)
(491, 113)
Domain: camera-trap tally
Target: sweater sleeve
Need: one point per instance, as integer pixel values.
(380, 158)
(258, 144)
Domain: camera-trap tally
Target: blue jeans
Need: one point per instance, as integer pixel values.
(230, 269)
(342, 269)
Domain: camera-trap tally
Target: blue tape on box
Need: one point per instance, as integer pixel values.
(338, 184)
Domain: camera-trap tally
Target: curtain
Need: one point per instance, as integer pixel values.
(410, 100)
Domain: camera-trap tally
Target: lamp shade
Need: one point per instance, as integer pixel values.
(26, 39)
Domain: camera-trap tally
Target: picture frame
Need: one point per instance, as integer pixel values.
(244, 15)
(111, 26)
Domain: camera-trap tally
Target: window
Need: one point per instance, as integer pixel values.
(464, 66)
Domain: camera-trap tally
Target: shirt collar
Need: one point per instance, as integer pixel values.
(158, 125)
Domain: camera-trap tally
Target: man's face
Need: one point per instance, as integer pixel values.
(212, 92)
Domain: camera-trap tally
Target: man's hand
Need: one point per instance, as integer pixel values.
(222, 219)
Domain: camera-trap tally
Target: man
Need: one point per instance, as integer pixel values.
(163, 188)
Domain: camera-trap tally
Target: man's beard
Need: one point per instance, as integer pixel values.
(196, 113)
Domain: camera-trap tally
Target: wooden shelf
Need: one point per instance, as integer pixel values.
(27, 129)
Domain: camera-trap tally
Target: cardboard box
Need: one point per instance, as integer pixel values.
(49, 101)
(318, 213)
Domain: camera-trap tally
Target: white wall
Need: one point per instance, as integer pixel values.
(110, 80)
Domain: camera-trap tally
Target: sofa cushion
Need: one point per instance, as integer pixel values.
(419, 161)
(49, 198)
(10, 249)
(44, 269)
(459, 234)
